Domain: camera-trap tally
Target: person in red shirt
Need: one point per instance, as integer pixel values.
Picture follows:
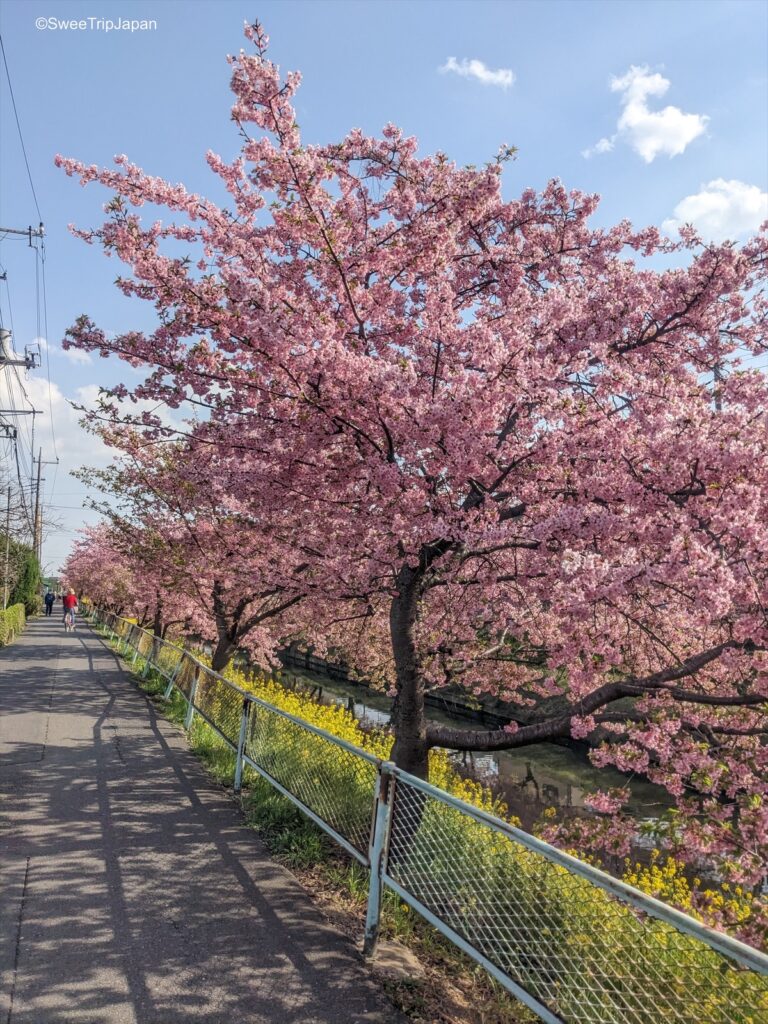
(70, 604)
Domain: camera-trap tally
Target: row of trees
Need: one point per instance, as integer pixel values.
(19, 567)
(459, 439)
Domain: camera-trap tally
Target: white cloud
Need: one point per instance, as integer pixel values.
(77, 356)
(503, 77)
(601, 146)
(649, 132)
(75, 447)
(721, 210)
(73, 355)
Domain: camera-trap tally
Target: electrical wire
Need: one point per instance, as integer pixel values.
(22, 438)
(47, 356)
(18, 126)
(23, 442)
(21, 493)
(25, 434)
(41, 310)
(14, 454)
(4, 272)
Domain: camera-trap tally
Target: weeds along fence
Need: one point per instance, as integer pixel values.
(572, 943)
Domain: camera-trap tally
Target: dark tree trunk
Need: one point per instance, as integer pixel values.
(158, 629)
(222, 654)
(225, 646)
(411, 754)
(410, 750)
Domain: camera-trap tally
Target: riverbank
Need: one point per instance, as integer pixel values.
(316, 769)
(529, 781)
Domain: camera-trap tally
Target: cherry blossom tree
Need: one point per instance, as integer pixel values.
(499, 424)
(97, 569)
(230, 575)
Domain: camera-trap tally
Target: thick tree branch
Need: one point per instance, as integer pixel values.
(559, 726)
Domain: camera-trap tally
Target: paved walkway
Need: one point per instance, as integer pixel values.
(130, 893)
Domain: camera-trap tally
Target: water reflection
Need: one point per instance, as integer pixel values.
(529, 780)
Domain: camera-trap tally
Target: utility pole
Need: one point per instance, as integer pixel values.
(8, 356)
(10, 431)
(37, 540)
(30, 232)
(6, 352)
(7, 574)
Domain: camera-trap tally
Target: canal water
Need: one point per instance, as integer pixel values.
(529, 780)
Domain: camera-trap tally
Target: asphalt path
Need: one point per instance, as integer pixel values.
(130, 890)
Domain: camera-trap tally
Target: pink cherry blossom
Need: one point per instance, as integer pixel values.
(458, 439)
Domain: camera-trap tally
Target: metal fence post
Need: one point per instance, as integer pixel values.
(192, 694)
(385, 788)
(147, 662)
(135, 645)
(169, 688)
(153, 654)
(241, 745)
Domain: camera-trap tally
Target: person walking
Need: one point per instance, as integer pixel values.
(70, 606)
(50, 597)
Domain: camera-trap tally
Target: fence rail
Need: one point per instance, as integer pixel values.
(574, 944)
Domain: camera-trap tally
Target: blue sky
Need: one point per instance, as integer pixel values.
(161, 95)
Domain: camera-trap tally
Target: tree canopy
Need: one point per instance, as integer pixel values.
(464, 439)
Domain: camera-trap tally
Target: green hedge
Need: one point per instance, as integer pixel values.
(12, 621)
(26, 590)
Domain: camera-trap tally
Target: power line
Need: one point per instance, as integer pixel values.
(12, 377)
(11, 371)
(47, 352)
(21, 491)
(37, 292)
(72, 508)
(18, 126)
(4, 277)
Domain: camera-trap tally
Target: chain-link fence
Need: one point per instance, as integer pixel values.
(578, 944)
(332, 781)
(571, 942)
